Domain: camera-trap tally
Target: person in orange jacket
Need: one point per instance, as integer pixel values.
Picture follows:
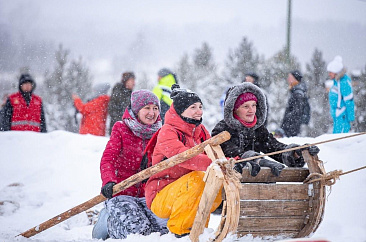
(95, 111)
(174, 193)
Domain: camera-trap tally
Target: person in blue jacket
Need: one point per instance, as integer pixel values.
(342, 106)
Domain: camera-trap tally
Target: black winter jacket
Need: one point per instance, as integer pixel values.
(119, 101)
(292, 120)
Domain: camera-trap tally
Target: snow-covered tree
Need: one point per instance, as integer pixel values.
(275, 73)
(66, 78)
(185, 72)
(207, 84)
(241, 60)
(315, 77)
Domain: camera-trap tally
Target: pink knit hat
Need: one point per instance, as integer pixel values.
(244, 97)
(141, 98)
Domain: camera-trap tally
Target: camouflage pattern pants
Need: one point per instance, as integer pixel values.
(130, 215)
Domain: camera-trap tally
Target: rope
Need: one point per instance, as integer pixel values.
(329, 178)
(299, 147)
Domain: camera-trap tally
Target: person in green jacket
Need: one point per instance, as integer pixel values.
(166, 78)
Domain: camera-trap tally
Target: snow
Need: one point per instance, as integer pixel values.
(43, 175)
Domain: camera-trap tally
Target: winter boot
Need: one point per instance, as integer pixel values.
(100, 230)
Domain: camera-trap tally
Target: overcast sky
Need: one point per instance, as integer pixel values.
(114, 36)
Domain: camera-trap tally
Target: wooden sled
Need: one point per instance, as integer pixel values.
(264, 205)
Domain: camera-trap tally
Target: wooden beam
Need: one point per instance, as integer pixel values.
(265, 175)
(213, 185)
(274, 208)
(259, 191)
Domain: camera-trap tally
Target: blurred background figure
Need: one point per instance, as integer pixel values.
(166, 78)
(23, 110)
(120, 98)
(296, 105)
(94, 112)
(251, 77)
(342, 106)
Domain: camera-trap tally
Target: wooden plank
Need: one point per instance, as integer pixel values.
(273, 191)
(281, 234)
(213, 185)
(287, 175)
(274, 208)
(257, 224)
(318, 200)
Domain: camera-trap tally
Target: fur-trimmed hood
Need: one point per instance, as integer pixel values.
(231, 96)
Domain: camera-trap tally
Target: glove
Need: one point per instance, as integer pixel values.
(253, 165)
(107, 189)
(289, 158)
(276, 167)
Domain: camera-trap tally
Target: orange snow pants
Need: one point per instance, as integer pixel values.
(179, 202)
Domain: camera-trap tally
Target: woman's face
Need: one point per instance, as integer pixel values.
(194, 111)
(247, 111)
(148, 114)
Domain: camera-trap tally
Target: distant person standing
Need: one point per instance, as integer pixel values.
(23, 111)
(166, 78)
(342, 106)
(94, 111)
(120, 98)
(296, 105)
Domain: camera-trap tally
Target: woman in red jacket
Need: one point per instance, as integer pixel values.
(175, 193)
(126, 212)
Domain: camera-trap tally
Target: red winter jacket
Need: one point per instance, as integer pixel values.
(25, 118)
(94, 115)
(168, 145)
(122, 157)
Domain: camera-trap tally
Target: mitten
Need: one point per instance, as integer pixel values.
(252, 165)
(107, 189)
(276, 167)
(289, 158)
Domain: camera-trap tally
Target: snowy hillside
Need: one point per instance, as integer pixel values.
(43, 175)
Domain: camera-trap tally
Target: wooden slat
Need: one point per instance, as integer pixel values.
(274, 208)
(214, 183)
(293, 223)
(287, 175)
(273, 234)
(273, 191)
(318, 200)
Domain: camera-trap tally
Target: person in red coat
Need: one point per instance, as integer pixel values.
(23, 110)
(126, 212)
(95, 111)
(174, 193)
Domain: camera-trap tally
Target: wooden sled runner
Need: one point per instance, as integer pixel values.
(264, 205)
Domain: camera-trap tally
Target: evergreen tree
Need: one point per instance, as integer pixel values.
(207, 84)
(359, 85)
(240, 61)
(185, 72)
(66, 78)
(315, 76)
(275, 72)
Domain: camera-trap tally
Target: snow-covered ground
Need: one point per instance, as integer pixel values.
(43, 175)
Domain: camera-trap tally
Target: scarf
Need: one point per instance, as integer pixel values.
(144, 131)
(246, 124)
